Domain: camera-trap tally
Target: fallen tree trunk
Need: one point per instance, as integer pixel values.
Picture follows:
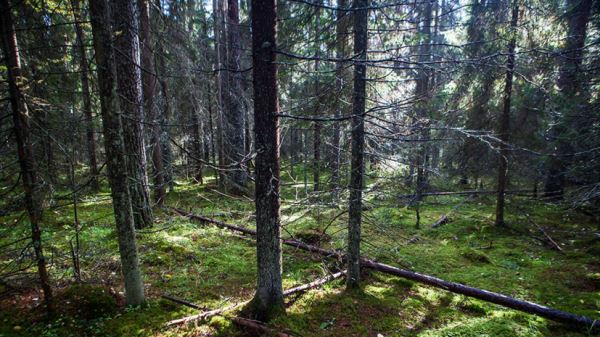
(488, 296)
(473, 192)
(259, 326)
(204, 315)
(182, 302)
(211, 313)
(442, 220)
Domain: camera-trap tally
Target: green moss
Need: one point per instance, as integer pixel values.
(88, 301)
(475, 256)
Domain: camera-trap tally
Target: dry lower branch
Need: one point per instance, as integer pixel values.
(488, 296)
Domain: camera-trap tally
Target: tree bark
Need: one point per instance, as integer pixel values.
(87, 100)
(341, 41)
(268, 301)
(129, 90)
(220, 55)
(317, 106)
(233, 138)
(422, 106)
(148, 89)
(504, 127)
(115, 152)
(26, 157)
(571, 87)
(358, 141)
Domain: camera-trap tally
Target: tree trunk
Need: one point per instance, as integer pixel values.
(340, 82)
(198, 148)
(220, 55)
(129, 90)
(358, 141)
(571, 87)
(504, 127)
(87, 100)
(26, 157)
(268, 301)
(234, 133)
(422, 106)
(317, 106)
(148, 89)
(115, 152)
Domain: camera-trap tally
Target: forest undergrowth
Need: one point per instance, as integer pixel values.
(213, 267)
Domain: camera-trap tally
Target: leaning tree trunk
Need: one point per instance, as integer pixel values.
(129, 90)
(358, 141)
(87, 100)
(22, 129)
(115, 152)
(148, 89)
(234, 133)
(504, 127)
(268, 300)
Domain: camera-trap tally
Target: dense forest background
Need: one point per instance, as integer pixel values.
(456, 138)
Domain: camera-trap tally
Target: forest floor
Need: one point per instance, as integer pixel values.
(214, 267)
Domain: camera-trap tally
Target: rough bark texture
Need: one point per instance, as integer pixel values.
(129, 90)
(341, 41)
(317, 106)
(220, 55)
(268, 301)
(571, 87)
(115, 152)
(148, 89)
(233, 137)
(504, 127)
(21, 120)
(87, 100)
(422, 106)
(358, 141)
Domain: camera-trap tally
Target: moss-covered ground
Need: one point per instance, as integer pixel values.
(213, 267)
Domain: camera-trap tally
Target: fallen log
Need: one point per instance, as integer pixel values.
(259, 326)
(488, 296)
(182, 302)
(471, 192)
(204, 315)
(442, 220)
(216, 312)
(551, 241)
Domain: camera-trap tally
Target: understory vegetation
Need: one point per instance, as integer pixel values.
(213, 267)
